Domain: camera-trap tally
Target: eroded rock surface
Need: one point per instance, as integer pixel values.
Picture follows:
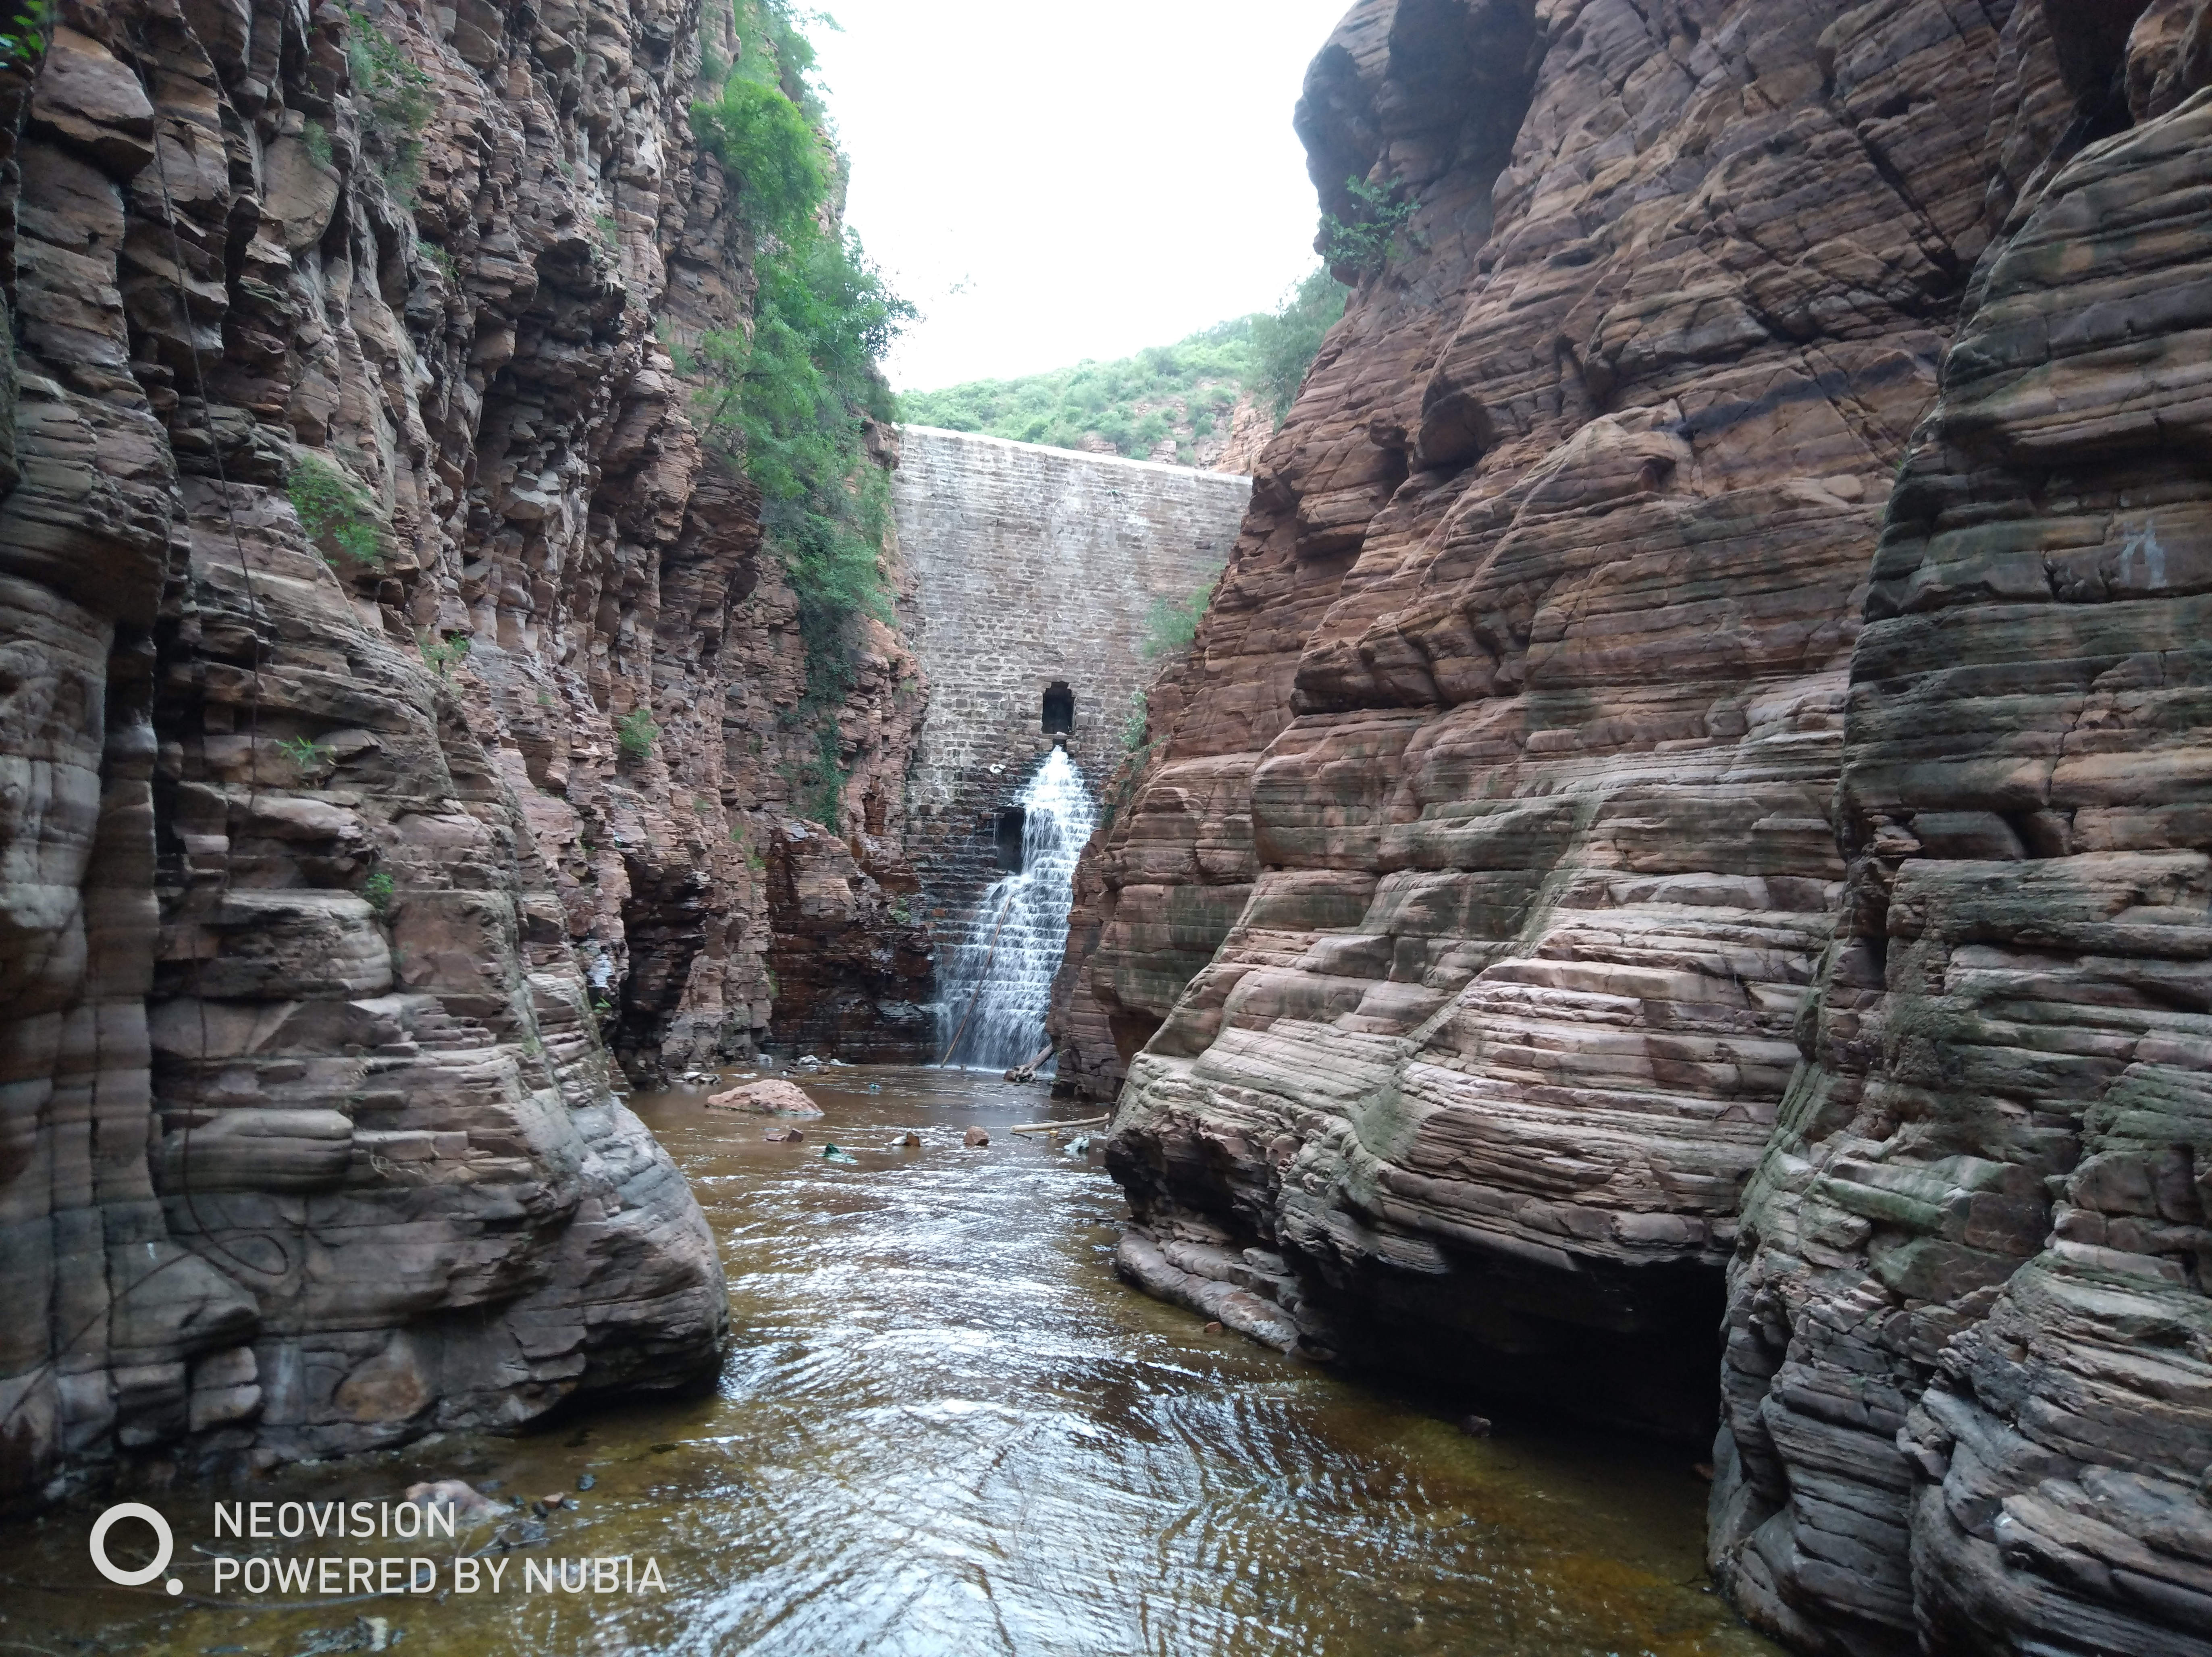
(1465, 911)
(1968, 1385)
(330, 882)
(1652, 746)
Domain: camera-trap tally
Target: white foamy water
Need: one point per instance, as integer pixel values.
(1003, 961)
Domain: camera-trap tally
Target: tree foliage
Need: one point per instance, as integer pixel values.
(790, 403)
(769, 150)
(1363, 244)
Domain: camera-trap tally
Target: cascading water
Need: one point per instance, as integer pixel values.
(996, 979)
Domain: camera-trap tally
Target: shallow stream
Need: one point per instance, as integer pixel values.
(945, 1426)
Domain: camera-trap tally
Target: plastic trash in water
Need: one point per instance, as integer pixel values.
(838, 1154)
(1078, 1146)
(875, 1086)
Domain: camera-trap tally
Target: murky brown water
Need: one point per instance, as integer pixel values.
(946, 1428)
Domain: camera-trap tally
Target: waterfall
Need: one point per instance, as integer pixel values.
(1006, 1026)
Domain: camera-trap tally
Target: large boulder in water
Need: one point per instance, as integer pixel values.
(770, 1098)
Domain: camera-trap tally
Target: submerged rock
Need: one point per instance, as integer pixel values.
(470, 1507)
(974, 1137)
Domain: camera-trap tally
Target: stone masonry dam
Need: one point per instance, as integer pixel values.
(1035, 574)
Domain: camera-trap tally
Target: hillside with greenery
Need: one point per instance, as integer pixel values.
(1187, 390)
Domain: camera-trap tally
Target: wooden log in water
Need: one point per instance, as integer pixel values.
(1055, 1127)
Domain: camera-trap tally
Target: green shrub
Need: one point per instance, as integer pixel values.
(305, 753)
(635, 734)
(1288, 342)
(26, 39)
(1173, 623)
(1364, 245)
(317, 139)
(395, 101)
(377, 889)
(1133, 728)
(335, 511)
(442, 656)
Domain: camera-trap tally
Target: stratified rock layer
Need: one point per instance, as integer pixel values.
(329, 877)
(1968, 1385)
(1466, 911)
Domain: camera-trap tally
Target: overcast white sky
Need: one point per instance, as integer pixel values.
(1056, 179)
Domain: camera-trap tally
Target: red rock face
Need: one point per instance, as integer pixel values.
(1719, 752)
(1968, 1383)
(316, 931)
(1482, 870)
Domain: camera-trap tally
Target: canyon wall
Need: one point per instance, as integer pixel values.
(1686, 800)
(1033, 568)
(1492, 826)
(1968, 1383)
(334, 890)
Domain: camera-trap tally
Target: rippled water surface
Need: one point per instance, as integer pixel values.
(945, 1426)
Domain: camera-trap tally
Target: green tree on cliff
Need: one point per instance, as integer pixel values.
(790, 404)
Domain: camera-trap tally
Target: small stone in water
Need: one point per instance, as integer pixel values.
(906, 1140)
(1213, 1328)
(783, 1136)
(585, 1481)
(974, 1137)
(558, 1499)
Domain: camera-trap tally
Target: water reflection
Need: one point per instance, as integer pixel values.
(946, 1429)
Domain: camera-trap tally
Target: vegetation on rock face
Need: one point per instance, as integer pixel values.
(1185, 391)
(335, 511)
(1364, 245)
(26, 39)
(1286, 343)
(1173, 623)
(790, 404)
(636, 733)
(442, 656)
(396, 102)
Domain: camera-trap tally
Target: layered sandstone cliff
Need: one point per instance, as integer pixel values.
(1492, 827)
(1647, 736)
(331, 882)
(1968, 1383)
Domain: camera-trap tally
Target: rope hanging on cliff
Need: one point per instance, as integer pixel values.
(988, 956)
